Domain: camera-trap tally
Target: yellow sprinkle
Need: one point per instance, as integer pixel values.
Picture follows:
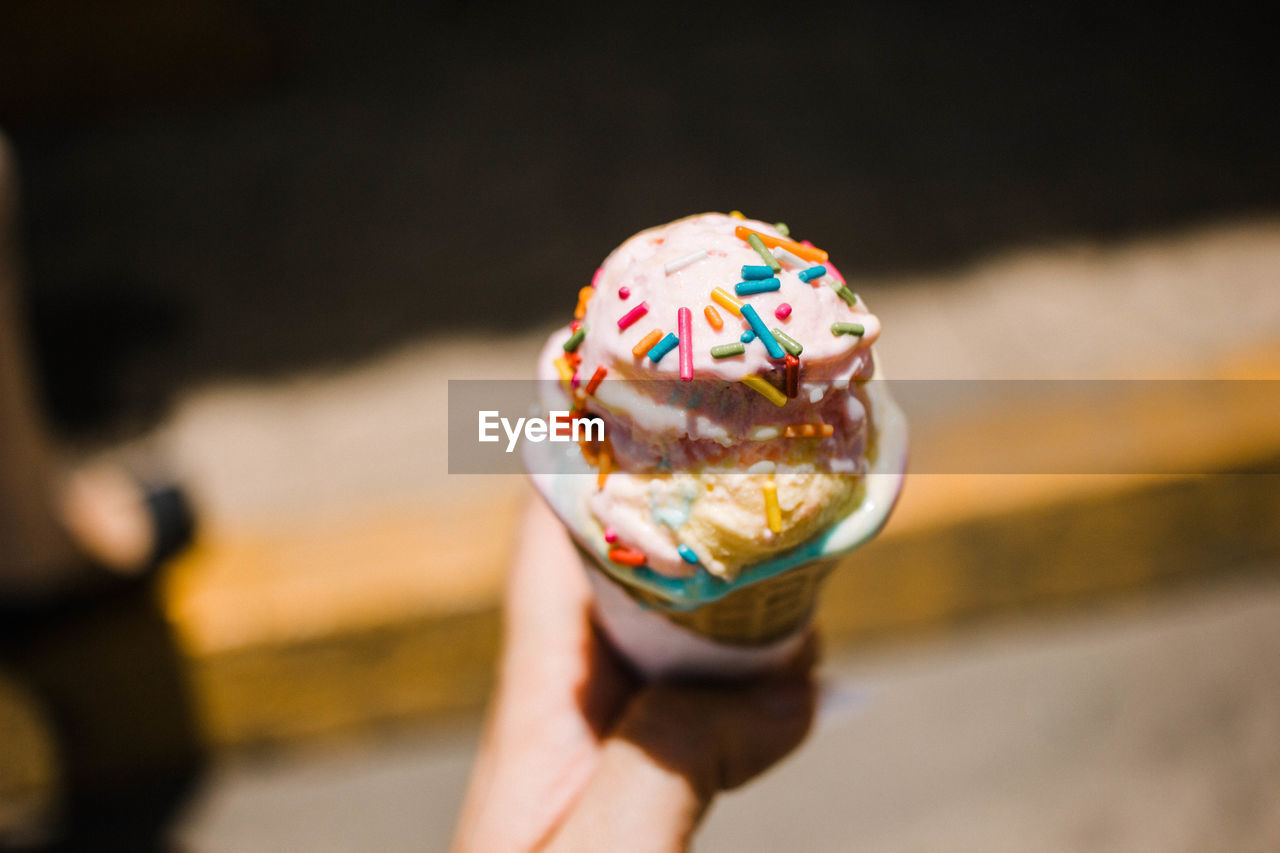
(772, 511)
(761, 385)
(737, 214)
(721, 296)
(566, 372)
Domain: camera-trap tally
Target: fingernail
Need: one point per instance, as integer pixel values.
(785, 700)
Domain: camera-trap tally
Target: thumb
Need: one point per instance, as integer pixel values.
(674, 748)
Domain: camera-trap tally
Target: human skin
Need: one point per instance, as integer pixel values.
(578, 754)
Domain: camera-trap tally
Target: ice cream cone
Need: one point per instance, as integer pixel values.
(730, 480)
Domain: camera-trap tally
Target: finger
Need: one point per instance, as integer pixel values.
(673, 750)
(547, 590)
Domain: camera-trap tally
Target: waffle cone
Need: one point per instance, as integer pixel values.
(756, 615)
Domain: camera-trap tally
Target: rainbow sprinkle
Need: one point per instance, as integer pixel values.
(800, 250)
(646, 343)
(788, 258)
(686, 553)
(713, 317)
(610, 535)
(761, 386)
(793, 376)
(781, 228)
(787, 342)
(737, 214)
(721, 297)
(662, 347)
(727, 350)
(751, 288)
(808, 430)
(627, 556)
(753, 240)
(783, 311)
(812, 272)
(634, 314)
(575, 340)
(624, 293)
(563, 368)
(772, 512)
(605, 462)
(684, 326)
(762, 332)
(847, 295)
(596, 379)
(854, 329)
(747, 336)
(751, 272)
(584, 296)
(680, 263)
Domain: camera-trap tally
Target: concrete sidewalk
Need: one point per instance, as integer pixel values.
(1144, 726)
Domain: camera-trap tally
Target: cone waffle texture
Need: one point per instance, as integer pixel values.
(759, 614)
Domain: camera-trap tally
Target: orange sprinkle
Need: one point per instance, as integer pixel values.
(713, 317)
(596, 379)
(584, 296)
(808, 430)
(627, 556)
(809, 253)
(646, 343)
(605, 463)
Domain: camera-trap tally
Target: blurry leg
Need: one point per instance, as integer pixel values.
(32, 540)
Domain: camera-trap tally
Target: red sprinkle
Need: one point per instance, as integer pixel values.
(634, 314)
(627, 556)
(793, 375)
(624, 292)
(596, 379)
(783, 311)
(610, 535)
(574, 325)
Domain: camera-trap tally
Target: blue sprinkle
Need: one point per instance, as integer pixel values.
(663, 347)
(764, 285)
(686, 552)
(762, 332)
(747, 337)
(813, 272)
(753, 272)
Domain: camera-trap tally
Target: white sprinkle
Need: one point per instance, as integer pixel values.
(764, 466)
(763, 433)
(681, 263)
(815, 393)
(790, 259)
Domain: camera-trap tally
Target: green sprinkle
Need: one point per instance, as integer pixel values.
(755, 242)
(789, 343)
(782, 229)
(847, 295)
(854, 329)
(726, 350)
(576, 338)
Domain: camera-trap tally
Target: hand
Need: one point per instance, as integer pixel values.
(578, 754)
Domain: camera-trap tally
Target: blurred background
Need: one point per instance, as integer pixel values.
(254, 240)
